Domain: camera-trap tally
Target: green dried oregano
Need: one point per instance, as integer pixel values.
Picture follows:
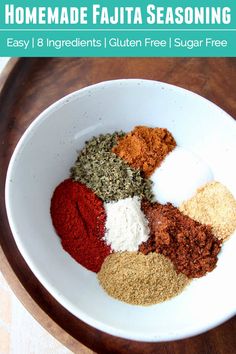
(107, 174)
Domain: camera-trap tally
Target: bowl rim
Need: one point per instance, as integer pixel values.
(131, 335)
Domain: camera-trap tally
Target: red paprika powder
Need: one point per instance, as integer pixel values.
(78, 217)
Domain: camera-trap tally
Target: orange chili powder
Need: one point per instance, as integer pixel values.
(145, 148)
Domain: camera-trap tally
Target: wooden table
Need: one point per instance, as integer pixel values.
(30, 85)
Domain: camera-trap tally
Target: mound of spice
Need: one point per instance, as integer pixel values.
(145, 148)
(191, 246)
(79, 217)
(106, 174)
(140, 280)
(213, 204)
(126, 226)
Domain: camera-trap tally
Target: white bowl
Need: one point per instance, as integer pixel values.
(42, 160)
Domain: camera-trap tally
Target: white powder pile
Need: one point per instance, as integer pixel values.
(179, 176)
(126, 225)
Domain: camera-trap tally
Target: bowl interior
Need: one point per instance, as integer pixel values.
(42, 160)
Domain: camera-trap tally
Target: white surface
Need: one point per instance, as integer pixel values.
(49, 147)
(3, 62)
(19, 332)
(126, 225)
(179, 176)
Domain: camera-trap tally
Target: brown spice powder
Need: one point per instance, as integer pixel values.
(213, 204)
(145, 148)
(140, 280)
(190, 245)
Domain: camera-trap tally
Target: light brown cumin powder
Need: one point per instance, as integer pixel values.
(213, 204)
(140, 279)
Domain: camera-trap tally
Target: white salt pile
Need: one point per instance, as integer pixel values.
(179, 176)
(126, 225)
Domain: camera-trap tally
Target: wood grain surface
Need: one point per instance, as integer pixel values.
(30, 85)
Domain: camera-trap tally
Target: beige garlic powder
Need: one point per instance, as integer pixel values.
(213, 204)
